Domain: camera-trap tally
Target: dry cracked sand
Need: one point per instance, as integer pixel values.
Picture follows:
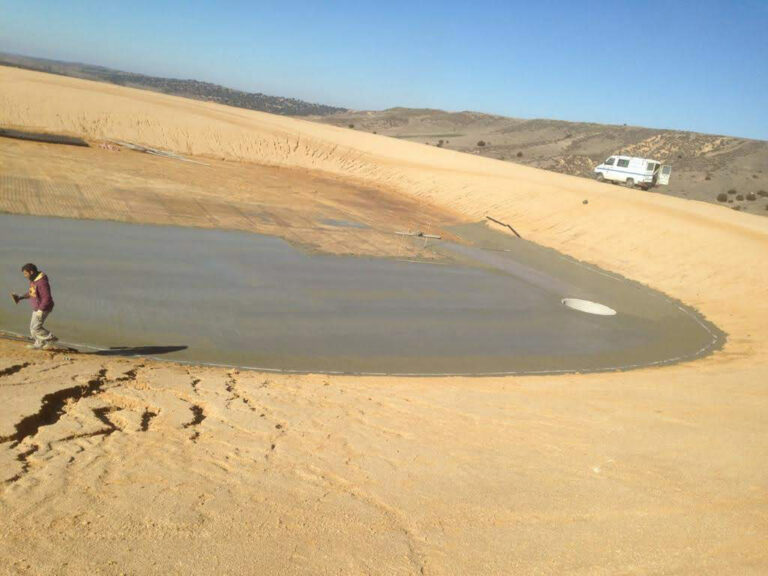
(133, 466)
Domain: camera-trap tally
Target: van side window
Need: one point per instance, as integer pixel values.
(610, 161)
(622, 163)
(651, 166)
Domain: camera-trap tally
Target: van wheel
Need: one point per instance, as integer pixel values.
(630, 182)
(600, 177)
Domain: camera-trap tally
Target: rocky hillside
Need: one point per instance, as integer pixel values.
(704, 166)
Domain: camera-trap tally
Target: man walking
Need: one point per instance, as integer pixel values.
(39, 295)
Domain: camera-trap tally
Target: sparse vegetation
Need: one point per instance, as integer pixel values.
(351, 125)
(722, 197)
(751, 197)
(732, 191)
(739, 197)
(762, 193)
(708, 177)
(519, 154)
(440, 143)
(737, 208)
(481, 143)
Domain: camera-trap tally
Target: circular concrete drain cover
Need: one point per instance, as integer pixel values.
(588, 307)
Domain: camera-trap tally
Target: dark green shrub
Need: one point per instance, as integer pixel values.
(732, 191)
(751, 197)
(481, 143)
(739, 197)
(722, 197)
(519, 154)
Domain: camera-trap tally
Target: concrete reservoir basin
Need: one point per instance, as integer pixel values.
(240, 299)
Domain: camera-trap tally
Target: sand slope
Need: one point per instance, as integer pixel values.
(653, 471)
(704, 165)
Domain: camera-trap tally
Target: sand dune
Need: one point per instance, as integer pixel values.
(651, 471)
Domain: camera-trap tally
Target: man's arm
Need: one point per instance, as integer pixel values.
(17, 298)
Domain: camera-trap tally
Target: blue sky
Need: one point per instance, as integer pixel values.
(688, 65)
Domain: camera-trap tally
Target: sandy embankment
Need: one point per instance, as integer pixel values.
(659, 470)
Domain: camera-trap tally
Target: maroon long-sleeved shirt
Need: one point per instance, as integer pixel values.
(40, 293)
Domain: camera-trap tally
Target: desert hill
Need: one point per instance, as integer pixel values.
(110, 466)
(194, 89)
(704, 165)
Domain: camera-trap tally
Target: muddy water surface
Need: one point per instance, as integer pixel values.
(255, 301)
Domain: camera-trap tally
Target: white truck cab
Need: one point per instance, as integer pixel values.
(633, 171)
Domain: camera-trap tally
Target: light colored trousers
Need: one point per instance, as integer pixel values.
(36, 328)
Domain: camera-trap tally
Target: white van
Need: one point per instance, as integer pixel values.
(633, 171)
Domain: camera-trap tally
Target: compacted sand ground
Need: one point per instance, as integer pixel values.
(125, 465)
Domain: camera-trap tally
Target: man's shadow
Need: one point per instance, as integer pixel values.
(138, 350)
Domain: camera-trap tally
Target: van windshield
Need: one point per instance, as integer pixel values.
(610, 161)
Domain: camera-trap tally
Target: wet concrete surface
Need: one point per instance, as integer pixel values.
(211, 296)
